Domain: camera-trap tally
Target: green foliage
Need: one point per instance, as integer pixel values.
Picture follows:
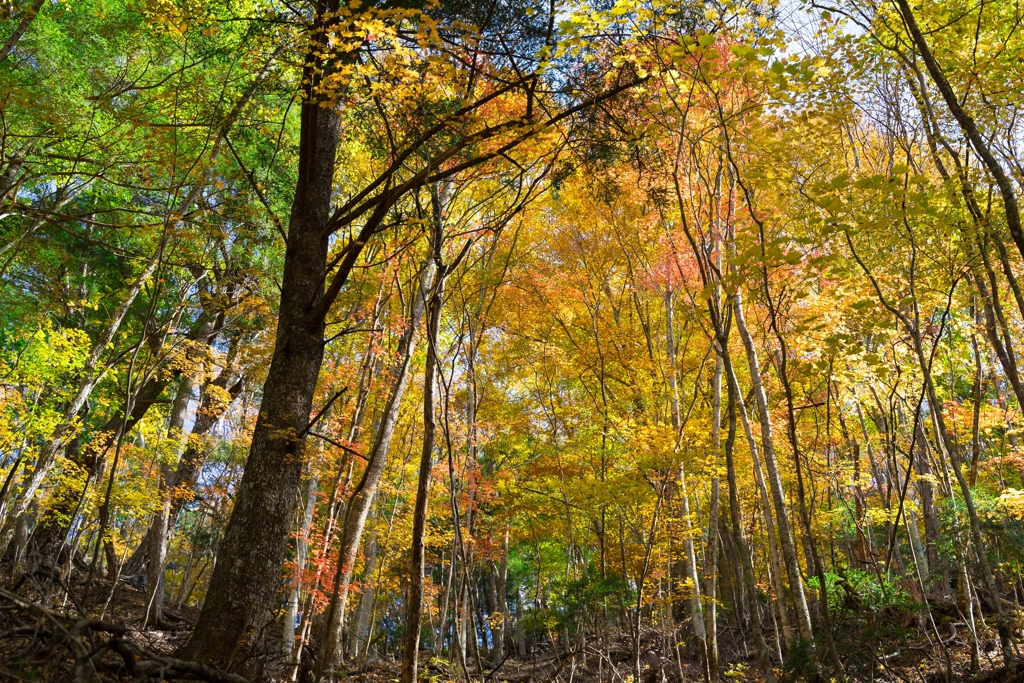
(854, 592)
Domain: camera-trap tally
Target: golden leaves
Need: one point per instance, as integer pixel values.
(1012, 503)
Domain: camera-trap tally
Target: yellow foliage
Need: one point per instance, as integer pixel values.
(1012, 503)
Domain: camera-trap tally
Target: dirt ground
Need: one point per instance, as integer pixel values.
(88, 632)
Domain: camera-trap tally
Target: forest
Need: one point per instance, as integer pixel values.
(533, 341)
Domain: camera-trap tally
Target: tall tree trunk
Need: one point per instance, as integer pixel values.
(691, 568)
(779, 600)
(926, 495)
(500, 572)
(460, 621)
(670, 353)
(789, 555)
(291, 611)
(332, 653)
(714, 512)
(414, 614)
(158, 536)
(360, 633)
(746, 568)
(976, 413)
(240, 598)
(520, 627)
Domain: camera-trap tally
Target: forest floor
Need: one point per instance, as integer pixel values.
(95, 634)
(906, 665)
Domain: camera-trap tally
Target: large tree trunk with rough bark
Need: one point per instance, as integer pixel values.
(237, 612)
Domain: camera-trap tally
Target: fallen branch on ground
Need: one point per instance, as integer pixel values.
(95, 645)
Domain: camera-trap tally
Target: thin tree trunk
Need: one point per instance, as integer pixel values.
(520, 628)
(980, 548)
(158, 534)
(926, 495)
(976, 413)
(746, 568)
(796, 587)
(501, 604)
(414, 614)
(360, 633)
(301, 551)
(357, 511)
(691, 568)
(714, 512)
(779, 600)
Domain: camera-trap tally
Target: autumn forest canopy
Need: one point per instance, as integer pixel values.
(510, 340)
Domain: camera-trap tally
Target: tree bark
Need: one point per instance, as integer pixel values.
(501, 604)
(520, 628)
(926, 495)
(414, 614)
(696, 605)
(301, 551)
(779, 601)
(714, 512)
(238, 607)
